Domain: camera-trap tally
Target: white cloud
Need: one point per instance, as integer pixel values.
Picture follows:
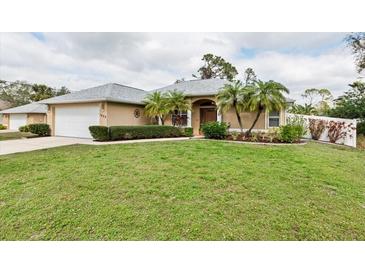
(151, 60)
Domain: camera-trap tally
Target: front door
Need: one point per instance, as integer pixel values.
(208, 115)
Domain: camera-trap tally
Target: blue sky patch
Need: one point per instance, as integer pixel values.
(39, 36)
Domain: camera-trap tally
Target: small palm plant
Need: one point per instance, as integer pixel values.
(156, 106)
(264, 96)
(176, 104)
(232, 96)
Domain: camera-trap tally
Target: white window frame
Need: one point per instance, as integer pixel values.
(186, 113)
(271, 117)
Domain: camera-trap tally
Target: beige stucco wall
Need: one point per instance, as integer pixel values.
(230, 116)
(123, 114)
(247, 119)
(6, 120)
(35, 118)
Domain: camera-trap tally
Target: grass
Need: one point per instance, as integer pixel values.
(361, 141)
(191, 190)
(15, 135)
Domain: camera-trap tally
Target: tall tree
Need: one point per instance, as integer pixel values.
(20, 92)
(156, 106)
(15, 93)
(320, 99)
(352, 104)
(41, 92)
(249, 76)
(356, 41)
(310, 95)
(62, 91)
(232, 96)
(216, 67)
(324, 105)
(305, 109)
(265, 96)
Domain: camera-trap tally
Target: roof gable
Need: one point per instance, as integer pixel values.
(108, 92)
(29, 108)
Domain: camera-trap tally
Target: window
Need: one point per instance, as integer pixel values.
(180, 119)
(274, 119)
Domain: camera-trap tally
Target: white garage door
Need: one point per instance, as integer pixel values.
(74, 121)
(17, 120)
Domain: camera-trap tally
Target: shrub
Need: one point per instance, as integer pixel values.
(338, 130)
(2, 126)
(40, 129)
(360, 128)
(299, 122)
(235, 135)
(187, 131)
(99, 133)
(289, 134)
(215, 130)
(293, 130)
(273, 135)
(24, 128)
(316, 128)
(143, 132)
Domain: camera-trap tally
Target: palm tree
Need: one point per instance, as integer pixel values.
(156, 106)
(232, 96)
(307, 109)
(264, 96)
(177, 103)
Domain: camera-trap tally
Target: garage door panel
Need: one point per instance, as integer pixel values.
(17, 120)
(74, 121)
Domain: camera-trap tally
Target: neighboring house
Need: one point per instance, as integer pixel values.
(114, 104)
(3, 105)
(31, 113)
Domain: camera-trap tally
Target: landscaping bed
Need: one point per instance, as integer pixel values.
(259, 137)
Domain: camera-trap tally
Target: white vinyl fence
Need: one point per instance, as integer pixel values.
(348, 140)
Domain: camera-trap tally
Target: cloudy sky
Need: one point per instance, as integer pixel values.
(152, 60)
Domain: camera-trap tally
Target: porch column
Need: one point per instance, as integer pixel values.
(219, 117)
(189, 118)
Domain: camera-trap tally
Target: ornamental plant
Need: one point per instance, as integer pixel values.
(316, 128)
(215, 130)
(338, 130)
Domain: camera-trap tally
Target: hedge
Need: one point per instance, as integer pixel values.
(40, 129)
(215, 130)
(143, 132)
(2, 126)
(187, 131)
(99, 133)
(24, 128)
(360, 128)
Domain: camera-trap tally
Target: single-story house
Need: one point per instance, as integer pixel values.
(115, 104)
(3, 105)
(31, 113)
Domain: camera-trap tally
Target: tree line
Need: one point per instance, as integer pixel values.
(19, 93)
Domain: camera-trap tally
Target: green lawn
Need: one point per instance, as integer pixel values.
(15, 135)
(191, 190)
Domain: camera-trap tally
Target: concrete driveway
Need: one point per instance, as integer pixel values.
(23, 145)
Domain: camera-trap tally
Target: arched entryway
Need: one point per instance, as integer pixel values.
(203, 111)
